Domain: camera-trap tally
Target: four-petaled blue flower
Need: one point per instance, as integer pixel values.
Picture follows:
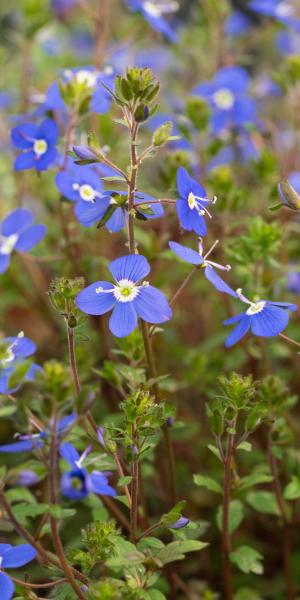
(153, 11)
(34, 441)
(128, 296)
(227, 96)
(192, 204)
(12, 557)
(83, 186)
(16, 350)
(18, 233)
(263, 318)
(78, 483)
(38, 145)
(197, 258)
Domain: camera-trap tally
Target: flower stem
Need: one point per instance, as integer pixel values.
(72, 357)
(288, 339)
(183, 285)
(225, 540)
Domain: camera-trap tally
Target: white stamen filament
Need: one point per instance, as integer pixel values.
(254, 307)
(82, 458)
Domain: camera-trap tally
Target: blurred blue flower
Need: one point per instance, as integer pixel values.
(242, 150)
(154, 12)
(17, 233)
(227, 96)
(61, 8)
(237, 23)
(192, 204)
(197, 258)
(263, 318)
(282, 11)
(38, 145)
(288, 42)
(33, 441)
(12, 557)
(128, 298)
(293, 281)
(78, 483)
(16, 349)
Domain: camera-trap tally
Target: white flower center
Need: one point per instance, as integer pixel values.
(157, 9)
(86, 77)
(255, 308)
(86, 192)
(40, 147)
(125, 291)
(284, 10)
(223, 99)
(192, 200)
(8, 243)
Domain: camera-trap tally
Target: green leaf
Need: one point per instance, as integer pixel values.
(125, 480)
(156, 595)
(177, 550)
(58, 512)
(253, 479)
(174, 514)
(245, 446)
(128, 560)
(209, 483)
(215, 451)
(24, 511)
(236, 515)
(263, 501)
(292, 490)
(247, 560)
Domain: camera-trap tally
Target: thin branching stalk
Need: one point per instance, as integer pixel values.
(225, 537)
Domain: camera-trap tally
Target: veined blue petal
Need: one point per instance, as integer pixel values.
(218, 282)
(65, 181)
(100, 484)
(152, 306)
(234, 319)
(4, 547)
(29, 238)
(6, 586)
(24, 161)
(18, 556)
(93, 303)
(22, 446)
(69, 453)
(116, 221)
(65, 422)
(270, 321)
(123, 319)
(16, 221)
(183, 182)
(187, 254)
(23, 346)
(286, 305)
(239, 331)
(88, 213)
(48, 130)
(23, 136)
(131, 266)
(43, 162)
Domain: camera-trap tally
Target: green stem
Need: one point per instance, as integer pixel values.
(225, 540)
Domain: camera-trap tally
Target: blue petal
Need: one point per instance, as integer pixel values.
(270, 321)
(88, 213)
(132, 266)
(22, 446)
(65, 422)
(69, 453)
(116, 221)
(123, 319)
(16, 221)
(239, 331)
(4, 547)
(23, 346)
(69, 490)
(235, 78)
(244, 111)
(183, 182)
(152, 306)
(190, 219)
(48, 130)
(65, 182)
(157, 209)
(42, 163)
(25, 161)
(6, 586)
(93, 303)
(286, 305)
(218, 282)
(24, 135)
(4, 262)
(18, 556)
(100, 484)
(29, 238)
(237, 23)
(187, 254)
(234, 319)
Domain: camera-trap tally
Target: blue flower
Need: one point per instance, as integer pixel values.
(34, 441)
(82, 186)
(38, 145)
(192, 205)
(288, 42)
(153, 11)
(11, 558)
(293, 282)
(180, 523)
(78, 483)
(263, 318)
(128, 297)
(14, 351)
(241, 150)
(18, 233)
(227, 96)
(197, 258)
(61, 8)
(280, 10)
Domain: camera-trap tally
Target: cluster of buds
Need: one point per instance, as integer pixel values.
(137, 90)
(62, 294)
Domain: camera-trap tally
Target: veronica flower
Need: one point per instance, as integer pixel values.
(154, 12)
(17, 232)
(11, 558)
(282, 11)
(242, 149)
(128, 297)
(192, 204)
(13, 352)
(34, 441)
(197, 258)
(227, 96)
(293, 281)
(38, 145)
(263, 318)
(82, 186)
(61, 8)
(78, 483)
(115, 205)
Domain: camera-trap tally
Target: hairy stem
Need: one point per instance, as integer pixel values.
(225, 540)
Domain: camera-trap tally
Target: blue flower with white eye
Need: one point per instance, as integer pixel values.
(12, 557)
(282, 11)
(82, 186)
(79, 483)
(192, 204)
(38, 145)
(17, 233)
(197, 258)
(154, 12)
(16, 350)
(263, 318)
(128, 297)
(34, 441)
(227, 95)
